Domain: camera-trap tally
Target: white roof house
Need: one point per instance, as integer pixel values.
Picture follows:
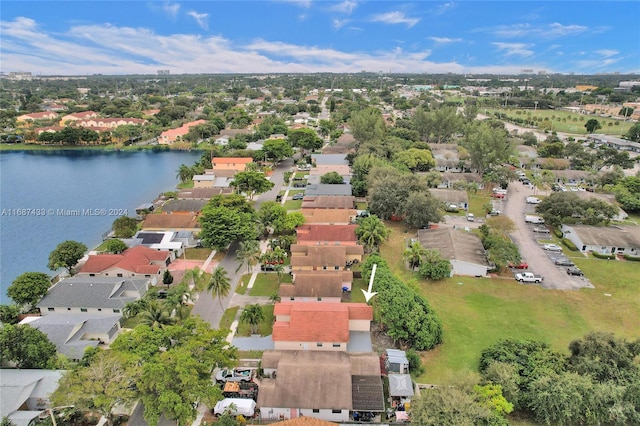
(24, 394)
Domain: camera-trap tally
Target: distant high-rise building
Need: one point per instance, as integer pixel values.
(164, 72)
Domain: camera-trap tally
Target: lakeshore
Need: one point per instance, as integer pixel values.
(85, 180)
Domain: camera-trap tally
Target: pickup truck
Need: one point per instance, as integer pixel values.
(533, 200)
(541, 230)
(237, 374)
(529, 277)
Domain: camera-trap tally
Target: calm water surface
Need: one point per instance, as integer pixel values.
(97, 186)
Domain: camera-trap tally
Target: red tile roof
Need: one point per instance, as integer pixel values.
(317, 321)
(139, 259)
(326, 233)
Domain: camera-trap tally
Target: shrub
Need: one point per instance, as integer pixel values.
(558, 233)
(632, 258)
(569, 244)
(603, 256)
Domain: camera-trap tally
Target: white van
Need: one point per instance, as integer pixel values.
(236, 406)
(471, 217)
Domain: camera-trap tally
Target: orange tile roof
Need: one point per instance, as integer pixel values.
(232, 160)
(326, 233)
(317, 321)
(139, 259)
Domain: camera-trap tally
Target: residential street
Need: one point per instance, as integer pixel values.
(208, 306)
(515, 207)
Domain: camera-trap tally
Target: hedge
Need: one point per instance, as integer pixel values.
(569, 244)
(558, 233)
(603, 256)
(632, 258)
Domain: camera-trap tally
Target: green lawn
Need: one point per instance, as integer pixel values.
(476, 203)
(228, 317)
(361, 205)
(476, 312)
(566, 121)
(264, 329)
(242, 284)
(197, 253)
(185, 185)
(293, 204)
(267, 283)
(356, 290)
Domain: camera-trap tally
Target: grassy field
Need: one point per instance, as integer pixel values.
(565, 121)
(293, 204)
(476, 203)
(197, 253)
(476, 312)
(267, 284)
(228, 317)
(265, 328)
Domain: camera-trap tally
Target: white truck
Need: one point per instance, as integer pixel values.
(534, 219)
(237, 374)
(235, 406)
(533, 200)
(529, 277)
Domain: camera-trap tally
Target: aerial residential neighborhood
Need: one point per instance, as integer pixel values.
(319, 213)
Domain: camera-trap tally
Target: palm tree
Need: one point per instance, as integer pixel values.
(274, 298)
(248, 254)
(194, 277)
(184, 173)
(279, 269)
(132, 309)
(252, 315)
(371, 232)
(219, 284)
(156, 316)
(413, 255)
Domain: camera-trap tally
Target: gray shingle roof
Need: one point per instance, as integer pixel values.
(94, 292)
(327, 189)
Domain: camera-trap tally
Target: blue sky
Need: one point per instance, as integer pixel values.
(501, 37)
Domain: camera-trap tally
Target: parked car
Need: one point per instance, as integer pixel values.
(497, 195)
(541, 230)
(235, 375)
(521, 265)
(551, 247)
(529, 277)
(298, 196)
(533, 200)
(563, 261)
(299, 185)
(471, 217)
(575, 271)
(495, 213)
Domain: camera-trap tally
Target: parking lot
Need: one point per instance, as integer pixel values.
(530, 243)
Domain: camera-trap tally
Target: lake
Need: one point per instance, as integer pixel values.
(47, 197)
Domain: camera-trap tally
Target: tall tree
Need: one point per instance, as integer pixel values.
(29, 288)
(66, 255)
(251, 183)
(421, 209)
(26, 346)
(219, 284)
(413, 254)
(223, 225)
(114, 245)
(306, 139)
(371, 231)
(487, 146)
(124, 227)
(252, 315)
(108, 381)
(156, 315)
(592, 125)
(367, 125)
(277, 149)
(248, 254)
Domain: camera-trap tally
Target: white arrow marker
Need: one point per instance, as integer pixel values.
(368, 294)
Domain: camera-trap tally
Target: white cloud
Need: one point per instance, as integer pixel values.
(339, 23)
(201, 18)
(346, 7)
(607, 52)
(171, 9)
(395, 17)
(306, 4)
(514, 49)
(444, 40)
(445, 7)
(550, 31)
(559, 30)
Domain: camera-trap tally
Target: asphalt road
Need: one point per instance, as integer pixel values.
(555, 277)
(207, 306)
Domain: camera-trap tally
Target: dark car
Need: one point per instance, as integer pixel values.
(575, 271)
(560, 261)
(299, 185)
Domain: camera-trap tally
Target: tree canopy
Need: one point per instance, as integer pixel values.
(26, 346)
(66, 255)
(125, 226)
(28, 288)
(251, 183)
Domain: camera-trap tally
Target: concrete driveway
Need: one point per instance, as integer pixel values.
(515, 207)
